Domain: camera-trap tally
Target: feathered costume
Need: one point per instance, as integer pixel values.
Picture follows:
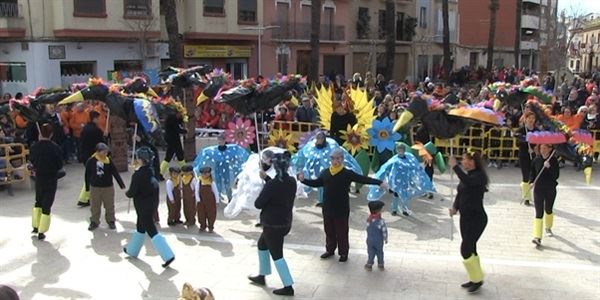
(249, 185)
(226, 163)
(406, 179)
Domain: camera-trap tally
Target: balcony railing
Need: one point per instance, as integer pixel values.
(9, 10)
(301, 31)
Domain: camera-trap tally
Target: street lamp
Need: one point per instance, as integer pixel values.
(259, 30)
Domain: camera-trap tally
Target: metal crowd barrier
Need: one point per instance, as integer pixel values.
(14, 163)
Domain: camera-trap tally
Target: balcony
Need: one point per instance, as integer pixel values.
(12, 23)
(529, 45)
(301, 32)
(530, 21)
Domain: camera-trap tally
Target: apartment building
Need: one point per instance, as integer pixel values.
(584, 48)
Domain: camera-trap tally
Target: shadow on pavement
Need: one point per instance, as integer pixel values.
(160, 286)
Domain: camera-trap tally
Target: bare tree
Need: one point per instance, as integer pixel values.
(315, 31)
(169, 9)
(519, 15)
(494, 6)
(142, 28)
(390, 38)
(447, 60)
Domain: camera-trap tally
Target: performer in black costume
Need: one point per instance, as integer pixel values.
(544, 190)
(473, 219)
(526, 154)
(144, 190)
(276, 202)
(174, 127)
(46, 158)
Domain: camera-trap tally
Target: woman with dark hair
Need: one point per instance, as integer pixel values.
(276, 202)
(526, 154)
(46, 159)
(544, 190)
(473, 219)
(144, 190)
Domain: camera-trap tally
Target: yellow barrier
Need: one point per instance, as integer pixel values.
(296, 128)
(473, 139)
(14, 156)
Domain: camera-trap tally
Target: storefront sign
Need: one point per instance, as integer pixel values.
(194, 51)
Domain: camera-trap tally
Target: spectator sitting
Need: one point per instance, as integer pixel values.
(283, 116)
(591, 120)
(305, 113)
(572, 121)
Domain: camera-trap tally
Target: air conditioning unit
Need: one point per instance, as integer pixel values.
(151, 50)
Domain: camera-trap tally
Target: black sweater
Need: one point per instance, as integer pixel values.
(336, 202)
(91, 135)
(173, 128)
(144, 190)
(470, 190)
(341, 122)
(549, 176)
(101, 175)
(276, 201)
(46, 158)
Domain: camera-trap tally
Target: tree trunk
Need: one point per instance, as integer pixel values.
(315, 31)
(175, 39)
(544, 59)
(518, 33)
(494, 5)
(447, 59)
(390, 38)
(189, 139)
(118, 142)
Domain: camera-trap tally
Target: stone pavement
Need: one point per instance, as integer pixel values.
(422, 257)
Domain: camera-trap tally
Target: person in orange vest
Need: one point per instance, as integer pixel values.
(572, 121)
(78, 118)
(103, 118)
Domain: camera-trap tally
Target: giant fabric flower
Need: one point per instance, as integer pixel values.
(241, 132)
(382, 135)
(282, 139)
(355, 138)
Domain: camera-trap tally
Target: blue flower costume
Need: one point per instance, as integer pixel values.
(312, 160)
(226, 163)
(406, 179)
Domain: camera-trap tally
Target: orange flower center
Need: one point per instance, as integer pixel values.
(383, 134)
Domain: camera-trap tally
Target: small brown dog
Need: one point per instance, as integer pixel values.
(189, 293)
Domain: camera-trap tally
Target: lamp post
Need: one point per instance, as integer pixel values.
(259, 30)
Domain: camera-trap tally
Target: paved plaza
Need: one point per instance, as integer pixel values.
(422, 256)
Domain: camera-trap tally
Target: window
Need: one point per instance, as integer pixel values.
(237, 69)
(423, 17)
(282, 63)
(128, 65)
(327, 25)
(381, 27)
(89, 8)
(214, 7)
(13, 71)
(473, 59)
(283, 21)
(9, 8)
(400, 26)
(138, 8)
(362, 24)
(76, 68)
(247, 11)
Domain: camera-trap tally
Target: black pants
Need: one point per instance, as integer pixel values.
(145, 224)
(471, 228)
(543, 200)
(272, 239)
(45, 190)
(336, 235)
(174, 148)
(429, 171)
(525, 164)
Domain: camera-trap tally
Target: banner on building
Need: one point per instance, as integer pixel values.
(197, 51)
(150, 75)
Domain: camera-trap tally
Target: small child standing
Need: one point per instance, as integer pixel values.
(207, 197)
(173, 187)
(376, 235)
(188, 184)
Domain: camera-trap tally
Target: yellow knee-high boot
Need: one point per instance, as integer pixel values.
(84, 196)
(548, 220)
(525, 191)
(164, 166)
(44, 223)
(181, 163)
(473, 268)
(35, 217)
(537, 228)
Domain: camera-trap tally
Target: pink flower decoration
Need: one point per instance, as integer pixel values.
(241, 132)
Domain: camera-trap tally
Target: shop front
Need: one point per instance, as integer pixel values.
(232, 59)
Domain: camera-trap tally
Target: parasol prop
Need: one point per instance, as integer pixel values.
(543, 168)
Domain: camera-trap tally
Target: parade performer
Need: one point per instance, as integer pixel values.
(174, 127)
(207, 198)
(255, 173)
(99, 173)
(473, 219)
(225, 161)
(377, 234)
(91, 135)
(315, 157)
(189, 183)
(276, 202)
(544, 190)
(173, 187)
(46, 159)
(336, 181)
(406, 178)
(526, 154)
(144, 190)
